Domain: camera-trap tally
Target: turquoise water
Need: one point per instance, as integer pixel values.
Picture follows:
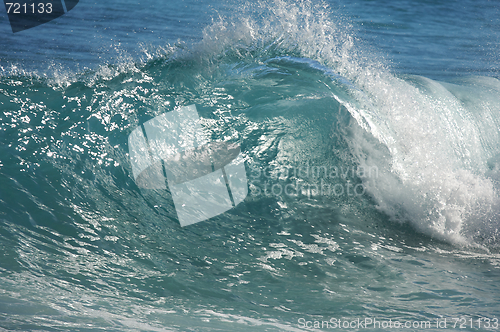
(370, 137)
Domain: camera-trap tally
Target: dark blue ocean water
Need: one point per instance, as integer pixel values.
(369, 133)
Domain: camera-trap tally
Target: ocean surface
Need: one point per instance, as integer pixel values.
(370, 137)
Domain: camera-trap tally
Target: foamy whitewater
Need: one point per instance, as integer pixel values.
(370, 137)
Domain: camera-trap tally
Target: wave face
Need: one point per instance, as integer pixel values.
(386, 174)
